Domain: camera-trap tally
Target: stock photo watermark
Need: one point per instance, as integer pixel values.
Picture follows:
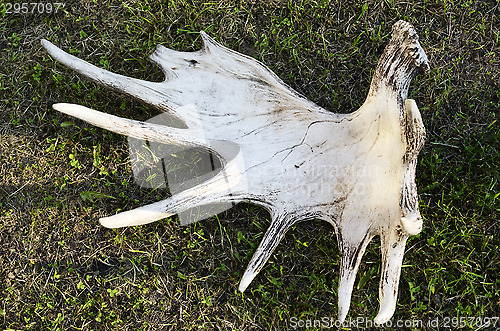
(364, 323)
(177, 167)
(27, 8)
(161, 166)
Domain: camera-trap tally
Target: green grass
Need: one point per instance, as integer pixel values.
(59, 269)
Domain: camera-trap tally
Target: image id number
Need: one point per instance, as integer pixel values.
(33, 7)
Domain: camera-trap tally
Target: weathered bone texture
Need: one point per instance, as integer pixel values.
(282, 152)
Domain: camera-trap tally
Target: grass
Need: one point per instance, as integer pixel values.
(60, 270)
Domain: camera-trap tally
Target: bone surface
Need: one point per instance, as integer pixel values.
(292, 157)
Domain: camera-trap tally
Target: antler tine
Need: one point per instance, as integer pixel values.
(393, 248)
(227, 186)
(135, 129)
(136, 88)
(280, 224)
(351, 254)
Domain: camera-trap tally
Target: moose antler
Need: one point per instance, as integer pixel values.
(282, 152)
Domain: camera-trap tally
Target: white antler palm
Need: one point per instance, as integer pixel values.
(281, 151)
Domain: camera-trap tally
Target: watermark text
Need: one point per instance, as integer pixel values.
(364, 322)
